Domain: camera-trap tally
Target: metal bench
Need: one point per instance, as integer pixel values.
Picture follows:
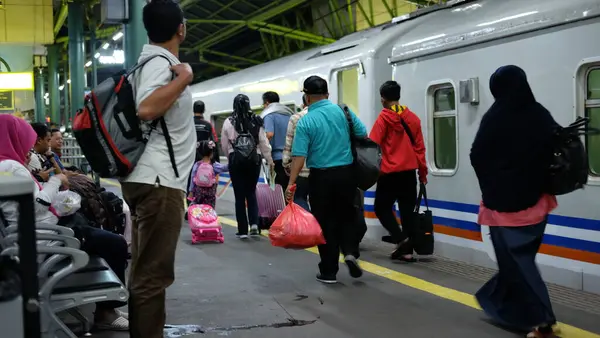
(68, 277)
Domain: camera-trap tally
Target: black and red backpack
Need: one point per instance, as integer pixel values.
(108, 130)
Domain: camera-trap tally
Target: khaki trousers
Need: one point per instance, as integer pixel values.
(157, 215)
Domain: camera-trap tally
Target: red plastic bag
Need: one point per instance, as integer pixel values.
(296, 228)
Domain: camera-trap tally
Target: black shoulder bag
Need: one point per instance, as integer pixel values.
(367, 156)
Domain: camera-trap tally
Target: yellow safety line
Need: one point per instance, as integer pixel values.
(566, 331)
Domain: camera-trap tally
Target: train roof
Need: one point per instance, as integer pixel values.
(353, 46)
(473, 22)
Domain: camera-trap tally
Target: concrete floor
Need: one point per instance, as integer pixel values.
(251, 289)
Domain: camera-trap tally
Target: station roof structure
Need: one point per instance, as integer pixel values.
(224, 36)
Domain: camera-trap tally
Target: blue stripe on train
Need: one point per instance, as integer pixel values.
(573, 222)
(567, 221)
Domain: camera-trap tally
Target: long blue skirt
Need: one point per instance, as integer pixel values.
(516, 297)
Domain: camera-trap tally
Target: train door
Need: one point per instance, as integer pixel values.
(344, 83)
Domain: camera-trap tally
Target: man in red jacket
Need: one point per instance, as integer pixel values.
(397, 130)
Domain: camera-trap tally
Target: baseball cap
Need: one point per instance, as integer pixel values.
(315, 85)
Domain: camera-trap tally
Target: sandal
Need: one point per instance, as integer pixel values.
(119, 324)
(544, 332)
(404, 252)
(122, 314)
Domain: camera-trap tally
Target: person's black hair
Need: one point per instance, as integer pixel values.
(54, 130)
(304, 102)
(162, 19)
(199, 107)
(390, 91)
(204, 149)
(41, 129)
(270, 97)
(315, 85)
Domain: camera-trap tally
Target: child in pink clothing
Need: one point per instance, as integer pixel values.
(206, 195)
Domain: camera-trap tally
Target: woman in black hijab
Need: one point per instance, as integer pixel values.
(511, 154)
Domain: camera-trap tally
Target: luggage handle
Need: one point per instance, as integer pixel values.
(422, 196)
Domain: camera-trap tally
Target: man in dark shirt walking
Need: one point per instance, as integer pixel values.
(204, 129)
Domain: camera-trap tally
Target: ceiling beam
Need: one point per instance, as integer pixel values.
(291, 33)
(61, 18)
(259, 15)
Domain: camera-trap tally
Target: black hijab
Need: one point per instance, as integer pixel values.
(242, 118)
(512, 149)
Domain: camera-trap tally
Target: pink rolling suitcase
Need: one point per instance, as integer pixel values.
(204, 223)
(271, 202)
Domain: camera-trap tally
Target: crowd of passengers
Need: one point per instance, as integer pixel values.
(312, 150)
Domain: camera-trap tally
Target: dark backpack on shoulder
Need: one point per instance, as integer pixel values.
(244, 149)
(569, 168)
(114, 212)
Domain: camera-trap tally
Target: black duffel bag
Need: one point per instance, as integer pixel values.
(423, 240)
(367, 156)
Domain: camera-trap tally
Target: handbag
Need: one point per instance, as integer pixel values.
(366, 154)
(423, 241)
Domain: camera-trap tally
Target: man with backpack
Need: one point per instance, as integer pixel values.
(205, 131)
(155, 189)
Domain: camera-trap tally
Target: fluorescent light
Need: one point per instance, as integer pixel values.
(117, 36)
(61, 87)
(16, 81)
(69, 81)
(507, 18)
(106, 45)
(118, 57)
(97, 55)
(89, 63)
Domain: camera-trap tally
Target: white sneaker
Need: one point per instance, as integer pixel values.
(254, 230)
(244, 236)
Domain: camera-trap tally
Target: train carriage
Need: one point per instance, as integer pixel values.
(443, 58)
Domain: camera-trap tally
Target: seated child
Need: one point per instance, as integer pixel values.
(204, 182)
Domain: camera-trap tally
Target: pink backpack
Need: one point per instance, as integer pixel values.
(205, 175)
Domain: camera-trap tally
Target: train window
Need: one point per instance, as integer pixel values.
(443, 110)
(592, 110)
(348, 88)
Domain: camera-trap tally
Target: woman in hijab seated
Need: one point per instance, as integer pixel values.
(510, 154)
(17, 138)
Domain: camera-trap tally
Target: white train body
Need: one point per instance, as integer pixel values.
(443, 61)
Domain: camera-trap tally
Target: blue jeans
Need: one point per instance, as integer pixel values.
(301, 194)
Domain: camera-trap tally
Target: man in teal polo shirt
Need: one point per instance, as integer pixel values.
(323, 140)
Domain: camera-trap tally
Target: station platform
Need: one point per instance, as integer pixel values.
(251, 289)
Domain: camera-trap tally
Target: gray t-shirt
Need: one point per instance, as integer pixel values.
(155, 164)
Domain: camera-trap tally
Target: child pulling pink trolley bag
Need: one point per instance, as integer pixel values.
(204, 223)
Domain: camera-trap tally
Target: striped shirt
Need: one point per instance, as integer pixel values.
(289, 140)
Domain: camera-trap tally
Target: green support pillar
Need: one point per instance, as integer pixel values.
(64, 120)
(94, 61)
(40, 115)
(76, 57)
(135, 33)
(53, 83)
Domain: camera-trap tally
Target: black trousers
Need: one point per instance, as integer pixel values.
(243, 180)
(398, 187)
(332, 193)
(282, 178)
(113, 249)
